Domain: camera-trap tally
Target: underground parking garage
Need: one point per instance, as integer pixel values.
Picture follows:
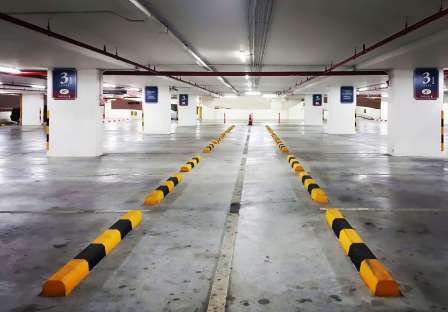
(241, 155)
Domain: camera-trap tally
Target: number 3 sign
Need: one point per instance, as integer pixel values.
(426, 84)
(64, 83)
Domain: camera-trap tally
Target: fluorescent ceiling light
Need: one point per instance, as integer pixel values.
(247, 77)
(243, 55)
(363, 89)
(253, 93)
(9, 70)
(269, 95)
(384, 85)
(38, 86)
(1, 83)
(108, 85)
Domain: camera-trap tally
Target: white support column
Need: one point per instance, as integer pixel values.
(341, 116)
(413, 125)
(187, 114)
(75, 126)
(32, 108)
(157, 116)
(313, 115)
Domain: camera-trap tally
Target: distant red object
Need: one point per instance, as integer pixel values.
(250, 120)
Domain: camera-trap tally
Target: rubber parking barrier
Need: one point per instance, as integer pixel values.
(159, 194)
(217, 140)
(47, 132)
(295, 164)
(191, 164)
(317, 194)
(208, 148)
(62, 282)
(283, 147)
(371, 270)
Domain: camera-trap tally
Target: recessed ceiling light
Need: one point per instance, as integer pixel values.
(9, 70)
(38, 86)
(108, 85)
(253, 93)
(269, 95)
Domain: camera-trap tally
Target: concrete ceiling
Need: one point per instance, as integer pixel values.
(304, 35)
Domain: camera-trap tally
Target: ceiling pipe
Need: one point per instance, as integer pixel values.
(179, 39)
(86, 46)
(408, 29)
(250, 74)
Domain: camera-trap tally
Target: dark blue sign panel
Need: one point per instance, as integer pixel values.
(183, 99)
(347, 95)
(317, 99)
(151, 95)
(64, 83)
(426, 84)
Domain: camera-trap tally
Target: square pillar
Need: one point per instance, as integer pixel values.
(414, 126)
(157, 115)
(313, 113)
(341, 116)
(31, 109)
(187, 113)
(76, 126)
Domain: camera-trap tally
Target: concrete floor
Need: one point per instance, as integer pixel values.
(286, 258)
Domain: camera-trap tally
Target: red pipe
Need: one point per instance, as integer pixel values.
(242, 73)
(401, 33)
(58, 36)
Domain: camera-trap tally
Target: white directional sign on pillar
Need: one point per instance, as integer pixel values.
(156, 107)
(415, 112)
(75, 116)
(313, 112)
(187, 110)
(32, 109)
(341, 110)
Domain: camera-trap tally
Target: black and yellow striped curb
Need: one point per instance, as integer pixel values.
(372, 271)
(190, 164)
(282, 147)
(159, 194)
(47, 132)
(217, 140)
(296, 166)
(73, 272)
(317, 194)
(442, 131)
(208, 148)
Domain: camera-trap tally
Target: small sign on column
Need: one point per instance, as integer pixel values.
(64, 83)
(151, 94)
(183, 99)
(347, 95)
(317, 99)
(426, 84)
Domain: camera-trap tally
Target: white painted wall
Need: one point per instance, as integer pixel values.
(187, 114)
(341, 117)
(116, 114)
(413, 125)
(32, 106)
(238, 109)
(384, 109)
(313, 114)
(76, 127)
(157, 116)
(368, 113)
